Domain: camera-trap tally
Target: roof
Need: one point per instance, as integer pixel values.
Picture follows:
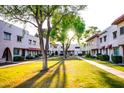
(92, 37)
(118, 20)
(102, 32)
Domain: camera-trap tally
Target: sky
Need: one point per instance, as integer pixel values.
(100, 13)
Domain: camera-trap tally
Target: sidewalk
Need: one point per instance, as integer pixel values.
(106, 68)
(16, 63)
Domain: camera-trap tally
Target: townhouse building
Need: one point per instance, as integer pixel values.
(92, 45)
(119, 34)
(110, 41)
(74, 49)
(15, 41)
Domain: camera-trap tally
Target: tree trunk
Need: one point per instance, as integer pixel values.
(65, 55)
(45, 67)
(40, 30)
(64, 51)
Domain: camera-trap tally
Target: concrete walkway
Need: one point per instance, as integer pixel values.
(16, 63)
(106, 68)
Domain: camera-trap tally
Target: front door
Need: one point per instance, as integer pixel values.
(23, 53)
(7, 55)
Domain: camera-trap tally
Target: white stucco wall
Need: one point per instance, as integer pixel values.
(11, 44)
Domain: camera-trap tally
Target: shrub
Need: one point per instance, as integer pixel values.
(29, 57)
(18, 58)
(39, 55)
(103, 57)
(51, 55)
(88, 56)
(117, 59)
(61, 54)
(79, 54)
(36, 56)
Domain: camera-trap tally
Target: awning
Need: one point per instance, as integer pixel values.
(109, 46)
(34, 49)
(103, 47)
(95, 49)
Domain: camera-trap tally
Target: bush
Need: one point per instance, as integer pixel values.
(51, 55)
(18, 58)
(79, 54)
(36, 56)
(61, 54)
(88, 56)
(39, 55)
(29, 57)
(117, 59)
(103, 57)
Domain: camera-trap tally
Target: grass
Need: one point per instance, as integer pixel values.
(107, 63)
(70, 74)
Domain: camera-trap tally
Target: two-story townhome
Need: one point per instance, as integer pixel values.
(110, 41)
(119, 49)
(92, 45)
(107, 41)
(15, 41)
(57, 49)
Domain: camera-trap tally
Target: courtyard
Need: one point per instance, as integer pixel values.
(69, 73)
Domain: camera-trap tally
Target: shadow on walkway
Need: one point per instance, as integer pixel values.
(54, 77)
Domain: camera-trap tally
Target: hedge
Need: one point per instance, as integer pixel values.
(117, 59)
(103, 57)
(29, 57)
(88, 56)
(80, 54)
(18, 58)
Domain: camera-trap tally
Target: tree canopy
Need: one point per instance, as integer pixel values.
(37, 15)
(70, 22)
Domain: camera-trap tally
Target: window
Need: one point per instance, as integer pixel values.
(7, 36)
(16, 51)
(122, 30)
(116, 51)
(19, 38)
(100, 40)
(114, 34)
(34, 42)
(30, 41)
(77, 47)
(105, 38)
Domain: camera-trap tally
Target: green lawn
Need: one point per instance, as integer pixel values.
(69, 73)
(118, 67)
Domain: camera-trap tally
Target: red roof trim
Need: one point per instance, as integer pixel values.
(92, 37)
(118, 20)
(34, 49)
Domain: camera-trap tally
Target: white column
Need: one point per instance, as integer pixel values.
(109, 53)
(120, 50)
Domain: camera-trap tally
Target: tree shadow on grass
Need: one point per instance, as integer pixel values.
(45, 79)
(111, 81)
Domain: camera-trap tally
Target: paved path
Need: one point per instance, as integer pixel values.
(106, 68)
(15, 64)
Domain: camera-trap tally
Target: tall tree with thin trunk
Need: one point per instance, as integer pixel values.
(36, 15)
(71, 23)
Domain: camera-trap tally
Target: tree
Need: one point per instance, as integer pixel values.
(69, 23)
(91, 31)
(36, 15)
